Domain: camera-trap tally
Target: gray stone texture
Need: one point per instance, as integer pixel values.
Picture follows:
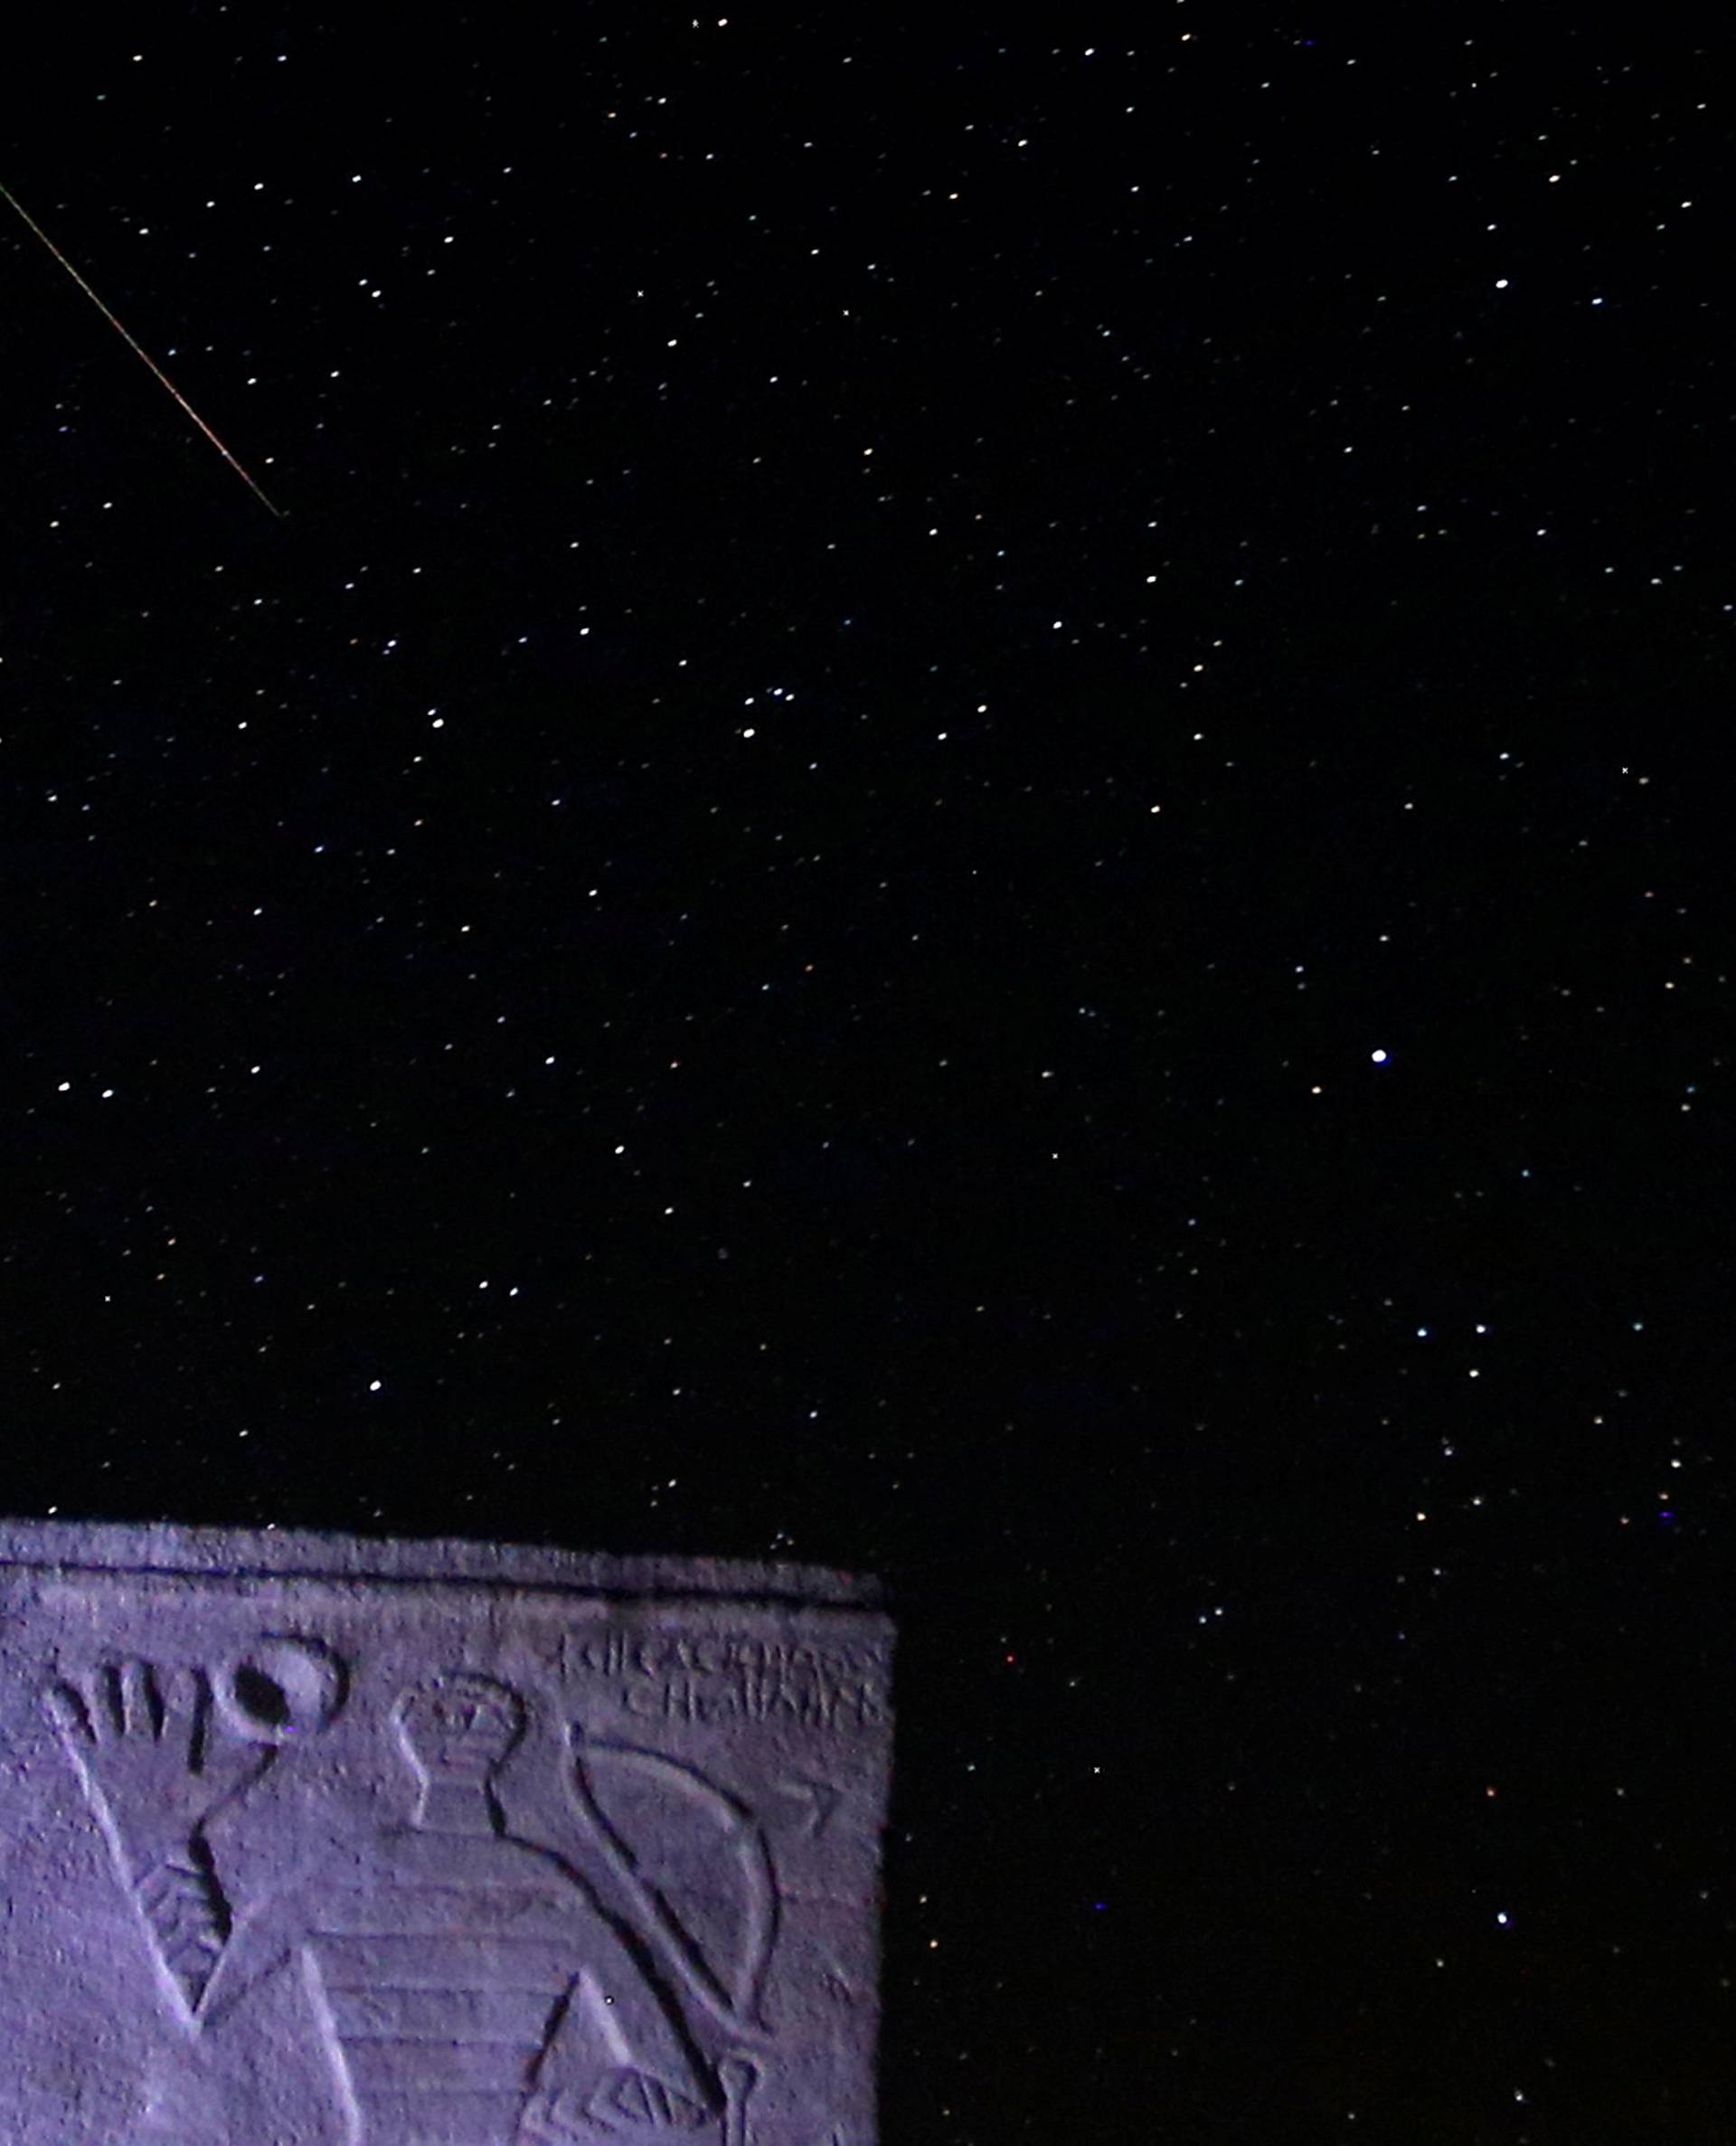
(311, 1840)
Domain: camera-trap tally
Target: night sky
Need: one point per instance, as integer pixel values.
(967, 813)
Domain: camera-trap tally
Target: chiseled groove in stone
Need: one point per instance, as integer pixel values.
(322, 1838)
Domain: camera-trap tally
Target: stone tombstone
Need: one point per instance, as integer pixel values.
(307, 1838)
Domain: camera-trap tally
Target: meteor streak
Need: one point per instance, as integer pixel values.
(148, 359)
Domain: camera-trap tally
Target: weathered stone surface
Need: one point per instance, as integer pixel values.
(308, 1839)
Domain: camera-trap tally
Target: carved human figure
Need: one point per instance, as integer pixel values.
(470, 1990)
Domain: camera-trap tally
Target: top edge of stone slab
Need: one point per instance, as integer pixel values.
(162, 1546)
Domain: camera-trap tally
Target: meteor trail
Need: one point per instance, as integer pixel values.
(148, 359)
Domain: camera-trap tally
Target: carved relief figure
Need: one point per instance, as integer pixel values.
(471, 1990)
(468, 1986)
(160, 1765)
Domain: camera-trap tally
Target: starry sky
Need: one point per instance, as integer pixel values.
(954, 801)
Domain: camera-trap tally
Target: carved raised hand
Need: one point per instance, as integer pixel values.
(138, 1743)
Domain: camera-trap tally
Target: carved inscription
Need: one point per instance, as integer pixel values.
(722, 1677)
(325, 1861)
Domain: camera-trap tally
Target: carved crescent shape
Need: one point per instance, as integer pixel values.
(613, 1783)
(282, 1688)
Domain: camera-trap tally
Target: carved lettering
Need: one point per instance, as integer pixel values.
(724, 1678)
(311, 1840)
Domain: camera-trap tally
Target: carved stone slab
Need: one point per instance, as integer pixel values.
(310, 1841)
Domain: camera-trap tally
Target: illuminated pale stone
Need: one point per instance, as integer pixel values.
(310, 1838)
